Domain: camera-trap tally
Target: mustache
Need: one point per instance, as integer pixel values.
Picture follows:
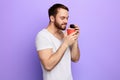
(64, 24)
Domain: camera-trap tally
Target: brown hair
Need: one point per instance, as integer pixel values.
(53, 9)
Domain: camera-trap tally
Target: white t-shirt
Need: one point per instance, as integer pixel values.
(62, 71)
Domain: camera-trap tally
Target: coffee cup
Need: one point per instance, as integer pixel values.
(70, 30)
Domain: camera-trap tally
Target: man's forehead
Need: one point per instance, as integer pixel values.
(62, 12)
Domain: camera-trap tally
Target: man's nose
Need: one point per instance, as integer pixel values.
(66, 20)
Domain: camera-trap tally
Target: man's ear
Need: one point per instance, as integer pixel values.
(52, 19)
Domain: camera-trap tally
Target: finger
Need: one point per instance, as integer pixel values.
(77, 31)
(65, 34)
(75, 38)
(77, 27)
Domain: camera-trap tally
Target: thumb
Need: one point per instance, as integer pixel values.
(65, 34)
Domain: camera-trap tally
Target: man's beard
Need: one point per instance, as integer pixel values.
(59, 26)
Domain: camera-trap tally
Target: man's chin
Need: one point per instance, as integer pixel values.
(64, 27)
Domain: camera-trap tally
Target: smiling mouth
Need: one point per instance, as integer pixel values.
(64, 24)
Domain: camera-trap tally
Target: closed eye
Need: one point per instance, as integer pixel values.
(62, 18)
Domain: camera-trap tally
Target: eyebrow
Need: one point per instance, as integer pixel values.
(64, 17)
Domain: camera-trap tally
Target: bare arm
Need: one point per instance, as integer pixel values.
(75, 50)
(50, 59)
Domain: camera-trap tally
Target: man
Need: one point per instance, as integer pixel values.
(55, 48)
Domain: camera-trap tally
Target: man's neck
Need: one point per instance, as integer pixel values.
(56, 32)
(52, 29)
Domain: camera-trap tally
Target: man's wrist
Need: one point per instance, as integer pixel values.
(75, 43)
(65, 45)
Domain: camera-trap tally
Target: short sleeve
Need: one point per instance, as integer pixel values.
(42, 42)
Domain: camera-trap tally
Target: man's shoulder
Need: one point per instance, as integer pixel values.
(42, 33)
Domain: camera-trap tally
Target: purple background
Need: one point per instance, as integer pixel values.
(99, 41)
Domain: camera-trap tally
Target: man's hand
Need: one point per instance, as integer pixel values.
(73, 37)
